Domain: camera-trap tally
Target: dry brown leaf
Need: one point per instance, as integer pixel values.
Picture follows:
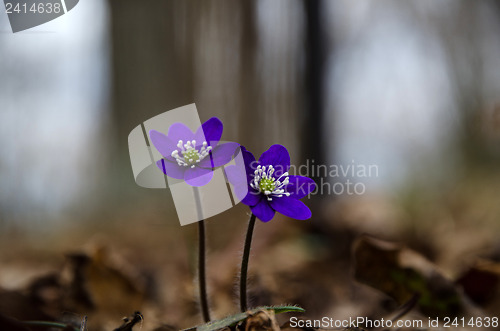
(401, 273)
(261, 321)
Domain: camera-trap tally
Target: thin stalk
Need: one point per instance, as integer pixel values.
(244, 264)
(202, 275)
(201, 272)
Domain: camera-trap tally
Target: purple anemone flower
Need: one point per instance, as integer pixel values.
(270, 187)
(192, 156)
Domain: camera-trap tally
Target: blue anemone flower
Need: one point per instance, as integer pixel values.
(270, 187)
(191, 156)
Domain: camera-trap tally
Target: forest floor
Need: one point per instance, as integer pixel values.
(435, 257)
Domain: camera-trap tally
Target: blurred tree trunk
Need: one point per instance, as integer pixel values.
(247, 86)
(170, 53)
(313, 125)
(151, 72)
(463, 34)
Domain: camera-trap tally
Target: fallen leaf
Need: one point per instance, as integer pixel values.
(401, 273)
(262, 320)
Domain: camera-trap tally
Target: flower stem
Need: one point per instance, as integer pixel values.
(244, 264)
(201, 272)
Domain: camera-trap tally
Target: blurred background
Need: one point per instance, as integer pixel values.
(412, 88)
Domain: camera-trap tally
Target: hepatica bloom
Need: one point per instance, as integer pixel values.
(270, 187)
(191, 156)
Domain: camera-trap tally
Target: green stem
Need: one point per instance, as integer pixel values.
(201, 272)
(244, 264)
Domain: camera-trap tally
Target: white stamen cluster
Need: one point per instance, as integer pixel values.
(264, 182)
(189, 155)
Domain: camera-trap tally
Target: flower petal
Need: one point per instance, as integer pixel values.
(247, 155)
(235, 175)
(278, 157)
(162, 143)
(171, 169)
(237, 178)
(198, 176)
(179, 131)
(221, 155)
(263, 211)
(252, 197)
(300, 186)
(291, 207)
(250, 162)
(210, 131)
